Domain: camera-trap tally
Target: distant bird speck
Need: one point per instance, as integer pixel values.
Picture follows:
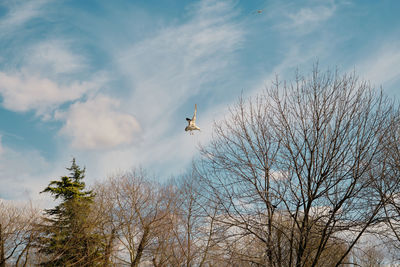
(257, 12)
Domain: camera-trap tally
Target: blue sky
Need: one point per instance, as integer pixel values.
(111, 82)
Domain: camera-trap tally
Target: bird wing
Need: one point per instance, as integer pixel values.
(194, 115)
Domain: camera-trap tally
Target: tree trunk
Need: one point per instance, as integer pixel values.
(108, 251)
(141, 246)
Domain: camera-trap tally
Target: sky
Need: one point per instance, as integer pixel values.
(110, 83)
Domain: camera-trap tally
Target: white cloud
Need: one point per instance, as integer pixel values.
(98, 124)
(23, 91)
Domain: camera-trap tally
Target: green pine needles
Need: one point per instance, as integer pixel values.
(68, 236)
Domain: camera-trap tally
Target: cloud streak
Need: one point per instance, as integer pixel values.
(20, 12)
(303, 20)
(54, 57)
(176, 63)
(382, 66)
(169, 70)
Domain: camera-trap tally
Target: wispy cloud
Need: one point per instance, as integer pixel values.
(307, 17)
(178, 61)
(381, 67)
(19, 12)
(301, 20)
(53, 57)
(165, 73)
(168, 70)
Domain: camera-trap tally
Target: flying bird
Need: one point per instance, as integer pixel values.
(192, 122)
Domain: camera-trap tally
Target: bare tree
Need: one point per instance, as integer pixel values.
(296, 168)
(108, 225)
(17, 233)
(138, 210)
(143, 222)
(189, 236)
(369, 256)
(389, 188)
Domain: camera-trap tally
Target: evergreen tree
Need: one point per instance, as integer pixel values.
(68, 235)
